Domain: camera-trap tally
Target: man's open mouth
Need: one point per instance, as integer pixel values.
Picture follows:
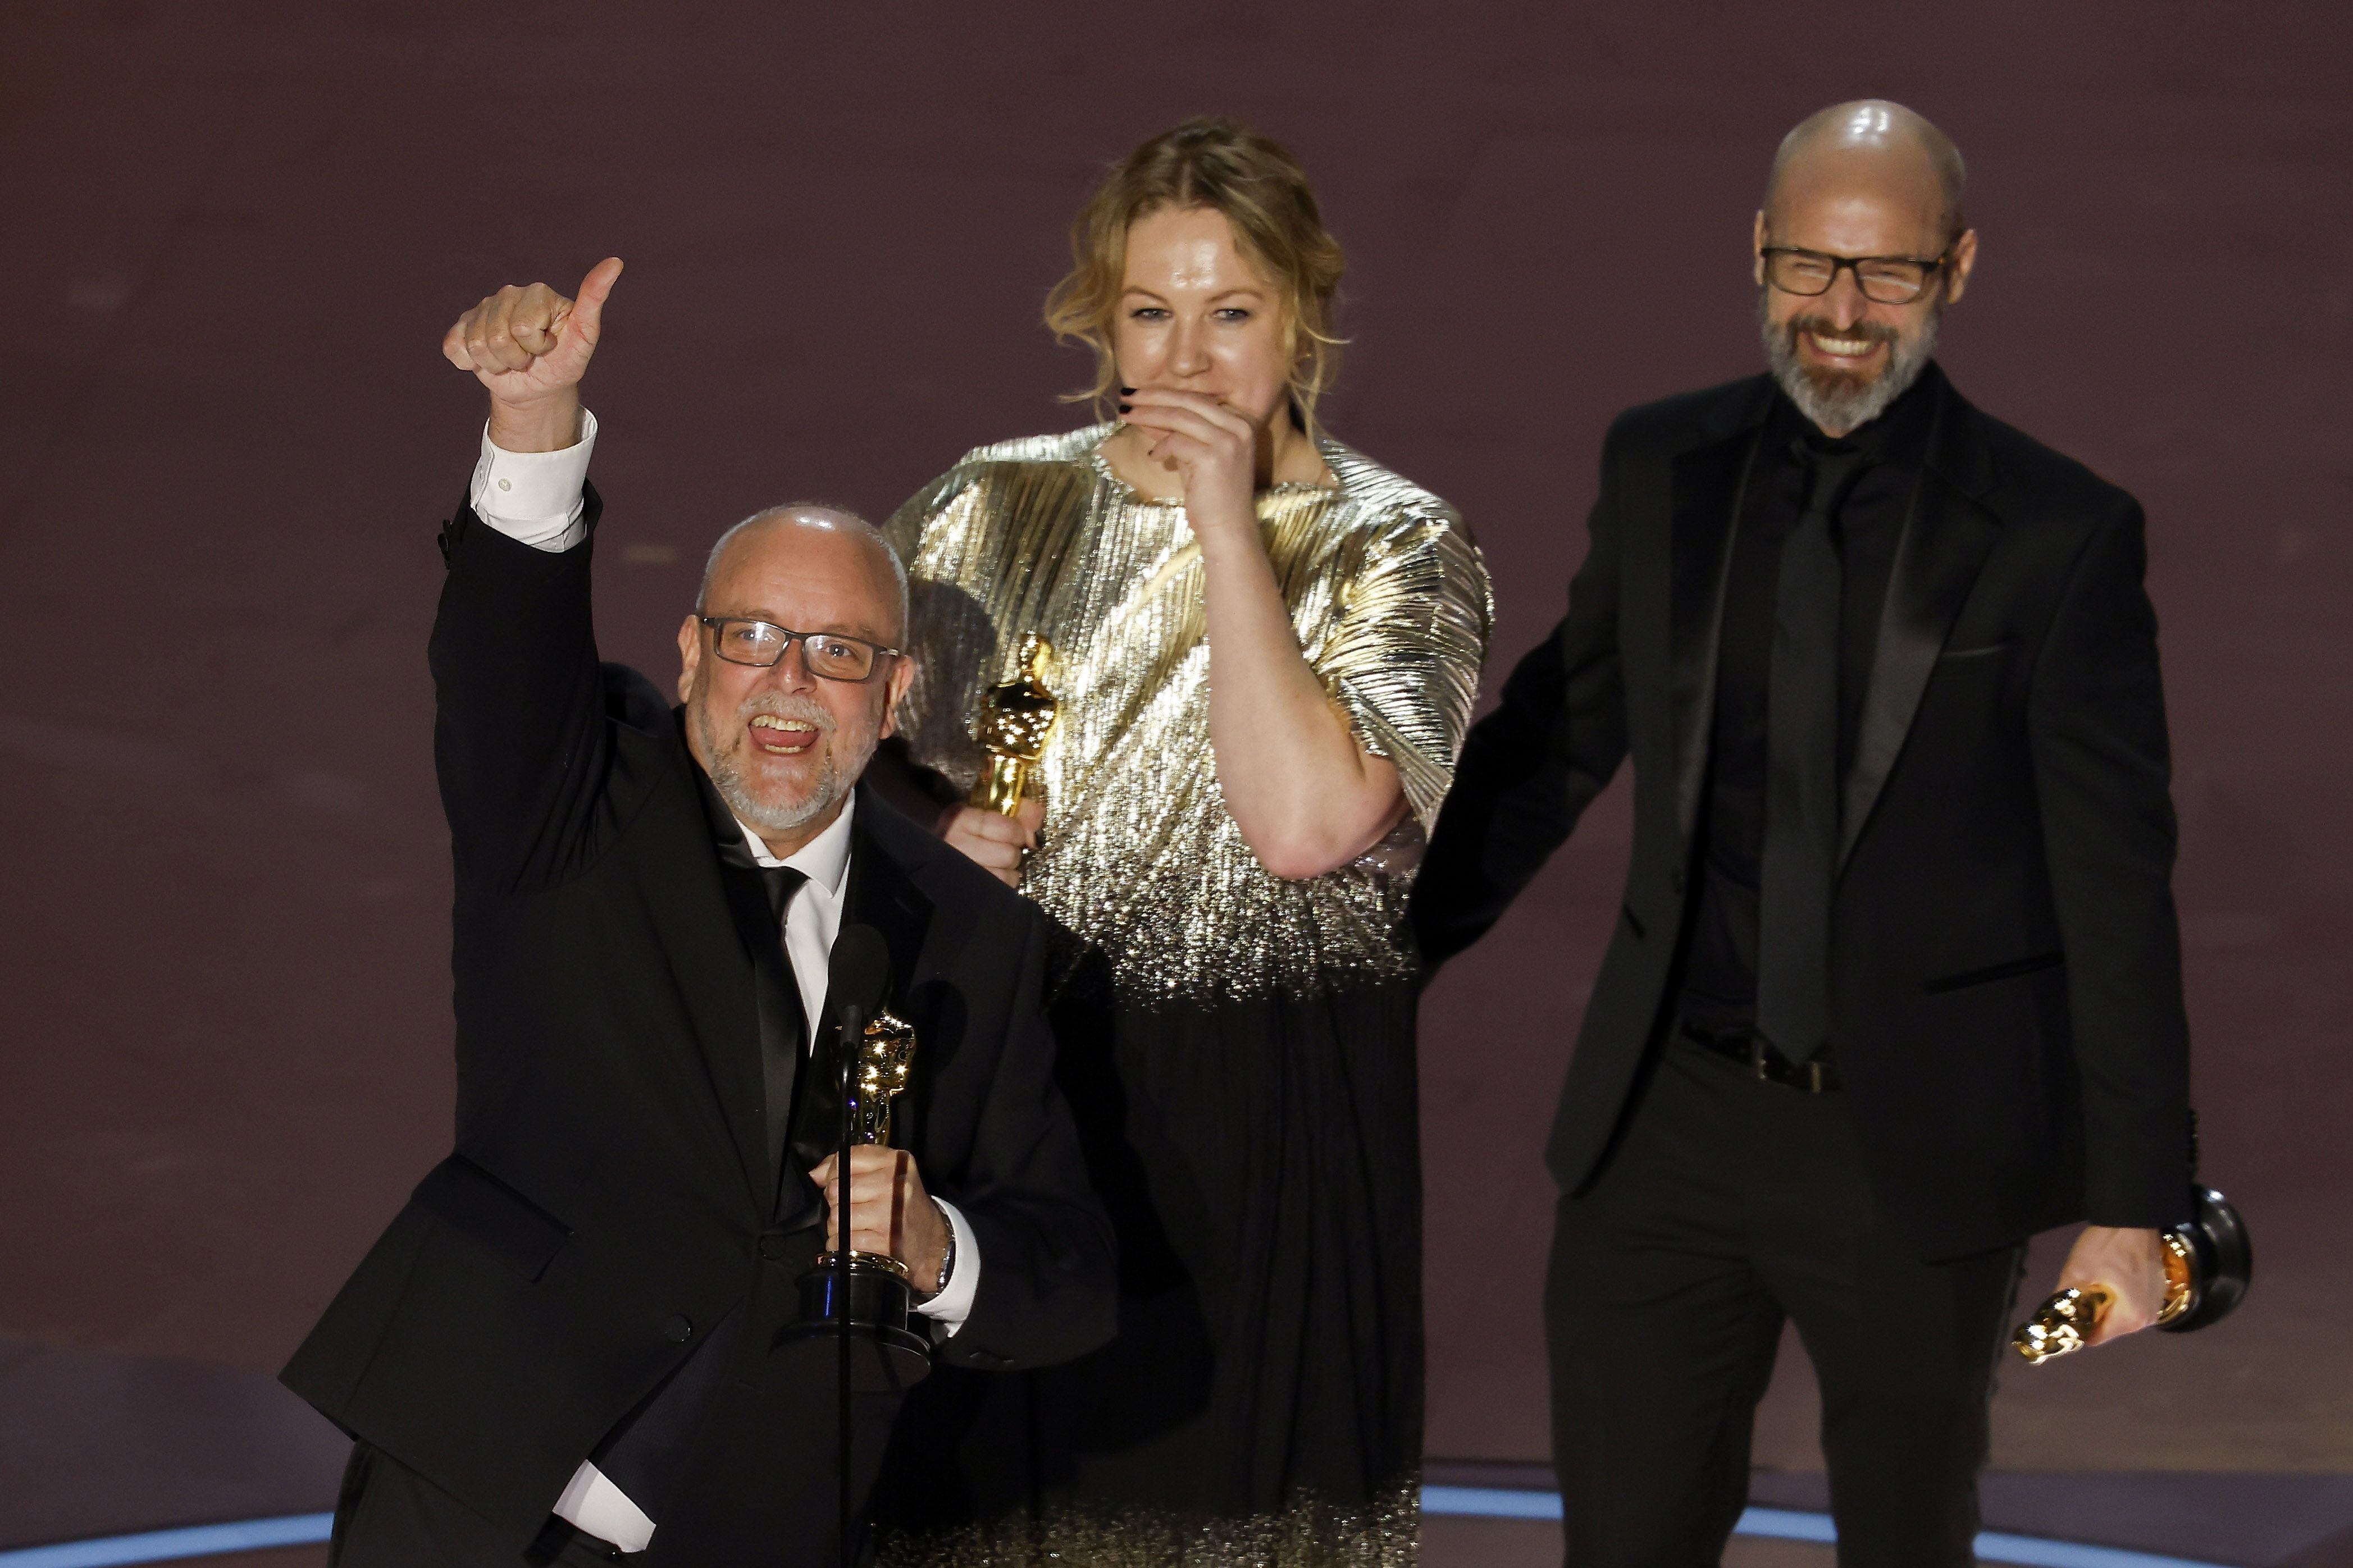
(1842, 347)
(781, 737)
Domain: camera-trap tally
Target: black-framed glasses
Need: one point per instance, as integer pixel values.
(828, 654)
(1888, 279)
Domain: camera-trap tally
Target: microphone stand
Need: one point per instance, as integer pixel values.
(852, 1027)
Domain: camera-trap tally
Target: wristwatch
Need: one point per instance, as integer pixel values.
(947, 1253)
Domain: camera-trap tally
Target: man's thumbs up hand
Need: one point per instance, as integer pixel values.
(529, 347)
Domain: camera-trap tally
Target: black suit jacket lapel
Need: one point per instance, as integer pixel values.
(1707, 484)
(1947, 538)
(714, 974)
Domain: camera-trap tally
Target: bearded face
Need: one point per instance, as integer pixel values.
(781, 758)
(783, 743)
(1835, 397)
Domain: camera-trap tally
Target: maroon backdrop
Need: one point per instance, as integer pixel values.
(230, 236)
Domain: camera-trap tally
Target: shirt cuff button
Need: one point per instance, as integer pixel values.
(506, 484)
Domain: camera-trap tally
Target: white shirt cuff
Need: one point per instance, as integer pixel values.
(536, 498)
(603, 1509)
(953, 1305)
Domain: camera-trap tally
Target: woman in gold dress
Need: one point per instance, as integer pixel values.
(1265, 649)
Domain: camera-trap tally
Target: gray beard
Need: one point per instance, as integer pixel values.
(777, 819)
(769, 817)
(1847, 405)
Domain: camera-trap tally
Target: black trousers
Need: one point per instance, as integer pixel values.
(1730, 1205)
(389, 1516)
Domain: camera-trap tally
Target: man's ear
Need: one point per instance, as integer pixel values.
(1965, 256)
(1757, 246)
(903, 675)
(690, 654)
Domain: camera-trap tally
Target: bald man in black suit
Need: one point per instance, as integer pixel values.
(1897, 980)
(567, 1347)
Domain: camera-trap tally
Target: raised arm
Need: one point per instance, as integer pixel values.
(1306, 795)
(520, 737)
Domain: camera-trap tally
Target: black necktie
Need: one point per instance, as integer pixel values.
(783, 1025)
(1802, 792)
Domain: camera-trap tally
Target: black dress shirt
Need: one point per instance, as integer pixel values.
(1718, 987)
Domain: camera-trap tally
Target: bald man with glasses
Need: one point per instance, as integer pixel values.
(1897, 980)
(573, 1346)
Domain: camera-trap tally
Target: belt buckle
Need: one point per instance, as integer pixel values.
(1805, 1077)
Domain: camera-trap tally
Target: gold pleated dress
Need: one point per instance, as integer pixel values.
(1238, 1048)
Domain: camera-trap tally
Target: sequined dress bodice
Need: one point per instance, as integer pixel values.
(1140, 860)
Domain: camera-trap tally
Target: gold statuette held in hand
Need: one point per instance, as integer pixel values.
(2064, 1321)
(1014, 720)
(886, 1059)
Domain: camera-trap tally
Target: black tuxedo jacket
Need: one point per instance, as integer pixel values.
(610, 1195)
(2005, 964)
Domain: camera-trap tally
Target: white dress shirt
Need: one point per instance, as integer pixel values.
(536, 498)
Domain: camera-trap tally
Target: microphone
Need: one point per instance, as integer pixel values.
(855, 979)
(859, 973)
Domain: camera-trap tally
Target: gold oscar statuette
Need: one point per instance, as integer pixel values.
(886, 1059)
(870, 1289)
(2063, 1324)
(1014, 720)
(2209, 1263)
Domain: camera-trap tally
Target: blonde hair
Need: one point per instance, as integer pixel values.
(1221, 165)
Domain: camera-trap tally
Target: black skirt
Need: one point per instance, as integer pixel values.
(1263, 1401)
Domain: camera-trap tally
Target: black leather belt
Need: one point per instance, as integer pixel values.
(1748, 1049)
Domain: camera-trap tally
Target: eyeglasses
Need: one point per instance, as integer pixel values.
(1888, 279)
(827, 654)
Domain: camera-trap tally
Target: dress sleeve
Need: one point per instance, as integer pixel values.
(1408, 638)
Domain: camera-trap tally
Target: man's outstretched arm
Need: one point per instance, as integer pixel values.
(519, 740)
(1530, 768)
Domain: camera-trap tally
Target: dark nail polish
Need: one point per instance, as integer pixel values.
(1125, 408)
(1127, 391)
